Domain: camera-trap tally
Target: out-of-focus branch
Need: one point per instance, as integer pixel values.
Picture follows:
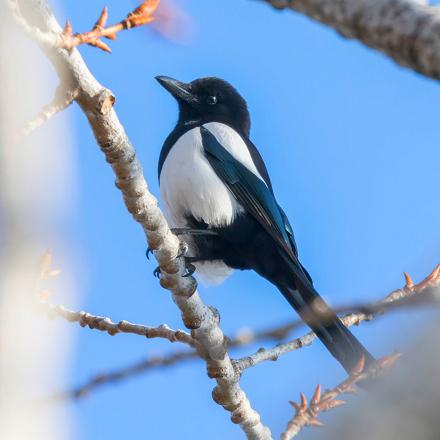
(410, 293)
(125, 373)
(62, 99)
(97, 104)
(405, 30)
(306, 414)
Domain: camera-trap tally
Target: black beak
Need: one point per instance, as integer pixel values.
(180, 90)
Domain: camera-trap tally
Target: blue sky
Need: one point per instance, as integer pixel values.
(351, 142)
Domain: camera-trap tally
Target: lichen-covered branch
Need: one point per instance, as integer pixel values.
(408, 31)
(97, 104)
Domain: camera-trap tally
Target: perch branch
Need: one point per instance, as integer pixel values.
(306, 414)
(405, 30)
(97, 104)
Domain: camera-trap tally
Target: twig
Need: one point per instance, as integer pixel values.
(121, 374)
(62, 99)
(306, 414)
(143, 14)
(105, 324)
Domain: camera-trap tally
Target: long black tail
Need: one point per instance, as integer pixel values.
(339, 341)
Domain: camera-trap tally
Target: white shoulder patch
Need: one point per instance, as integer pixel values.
(233, 143)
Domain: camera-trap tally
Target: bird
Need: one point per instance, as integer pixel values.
(218, 195)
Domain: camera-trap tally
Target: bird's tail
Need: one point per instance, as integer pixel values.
(340, 342)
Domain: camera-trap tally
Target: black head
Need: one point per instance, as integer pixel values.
(208, 99)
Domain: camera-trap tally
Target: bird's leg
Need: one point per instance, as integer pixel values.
(191, 231)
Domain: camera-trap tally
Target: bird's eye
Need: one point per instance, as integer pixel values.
(211, 100)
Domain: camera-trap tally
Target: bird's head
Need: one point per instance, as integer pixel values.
(208, 99)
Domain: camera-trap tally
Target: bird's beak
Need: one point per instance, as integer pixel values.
(180, 91)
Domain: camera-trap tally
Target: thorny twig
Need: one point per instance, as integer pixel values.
(143, 14)
(306, 414)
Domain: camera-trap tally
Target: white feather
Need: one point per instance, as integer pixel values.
(189, 186)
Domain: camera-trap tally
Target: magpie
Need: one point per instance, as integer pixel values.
(218, 194)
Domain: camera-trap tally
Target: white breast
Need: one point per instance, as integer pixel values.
(189, 185)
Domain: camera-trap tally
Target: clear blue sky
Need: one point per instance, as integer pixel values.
(352, 145)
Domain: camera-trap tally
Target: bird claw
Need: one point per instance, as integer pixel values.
(157, 272)
(190, 269)
(148, 252)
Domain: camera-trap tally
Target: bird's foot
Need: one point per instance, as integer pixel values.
(189, 269)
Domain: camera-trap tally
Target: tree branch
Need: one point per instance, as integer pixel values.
(105, 324)
(405, 30)
(97, 104)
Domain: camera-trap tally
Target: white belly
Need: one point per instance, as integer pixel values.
(189, 186)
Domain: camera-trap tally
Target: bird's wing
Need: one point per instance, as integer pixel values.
(251, 192)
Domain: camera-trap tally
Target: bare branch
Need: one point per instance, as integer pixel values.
(125, 373)
(306, 414)
(405, 30)
(105, 324)
(97, 104)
